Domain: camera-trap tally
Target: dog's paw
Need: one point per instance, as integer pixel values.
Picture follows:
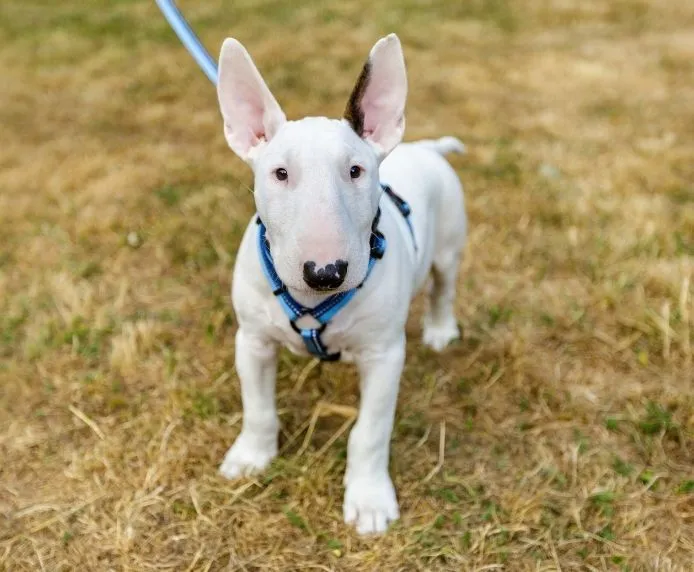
(370, 504)
(438, 336)
(246, 458)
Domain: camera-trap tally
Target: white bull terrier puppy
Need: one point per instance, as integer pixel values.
(332, 261)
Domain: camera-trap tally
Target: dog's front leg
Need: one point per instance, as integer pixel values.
(370, 500)
(256, 445)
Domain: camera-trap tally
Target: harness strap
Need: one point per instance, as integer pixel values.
(329, 307)
(404, 209)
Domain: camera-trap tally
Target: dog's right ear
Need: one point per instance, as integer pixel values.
(251, 114)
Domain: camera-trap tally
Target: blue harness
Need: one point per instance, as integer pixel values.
(329, 307)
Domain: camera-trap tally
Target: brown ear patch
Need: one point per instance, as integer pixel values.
(353, 112)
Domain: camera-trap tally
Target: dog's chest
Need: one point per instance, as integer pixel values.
(336, 335)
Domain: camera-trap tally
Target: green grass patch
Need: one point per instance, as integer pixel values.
(295, 519)
(656, 419)
(603, 502)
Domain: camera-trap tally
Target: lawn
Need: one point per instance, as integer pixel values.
(558, 434)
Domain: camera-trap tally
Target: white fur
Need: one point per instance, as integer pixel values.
(319, 213)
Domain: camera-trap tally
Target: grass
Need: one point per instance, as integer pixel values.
(567, 405)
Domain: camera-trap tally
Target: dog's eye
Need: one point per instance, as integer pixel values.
(281, 174)
(355, 171)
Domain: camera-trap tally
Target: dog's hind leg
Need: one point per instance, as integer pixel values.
(450, 232)
(440, 325)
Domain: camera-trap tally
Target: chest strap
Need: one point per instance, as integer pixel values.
(329, 307)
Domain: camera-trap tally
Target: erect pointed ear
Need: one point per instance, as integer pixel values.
(376, 108)
(251, 114)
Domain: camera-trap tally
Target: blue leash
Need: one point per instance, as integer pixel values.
(188, 38)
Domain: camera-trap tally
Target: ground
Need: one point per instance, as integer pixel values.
(557, 434)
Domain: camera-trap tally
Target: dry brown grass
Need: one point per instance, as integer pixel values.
(568, 407)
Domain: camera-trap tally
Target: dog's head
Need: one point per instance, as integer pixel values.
(316, 180)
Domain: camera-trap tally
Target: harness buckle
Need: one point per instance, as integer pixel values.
(313, 342)
(378, 244)
(281, 290)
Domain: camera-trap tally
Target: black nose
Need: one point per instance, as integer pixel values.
(327, 278)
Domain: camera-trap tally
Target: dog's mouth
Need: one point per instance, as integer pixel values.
(304, 288)
(326, 289)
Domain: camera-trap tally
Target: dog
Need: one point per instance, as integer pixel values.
(351, 224)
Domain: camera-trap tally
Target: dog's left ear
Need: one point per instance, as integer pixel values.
(376, 108)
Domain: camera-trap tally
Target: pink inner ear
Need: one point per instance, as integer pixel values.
(255, 115)
(251, 114)
(382, 110)
(383, 100)
(248, 116)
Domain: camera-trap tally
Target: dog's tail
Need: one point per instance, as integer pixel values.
(444, 145)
